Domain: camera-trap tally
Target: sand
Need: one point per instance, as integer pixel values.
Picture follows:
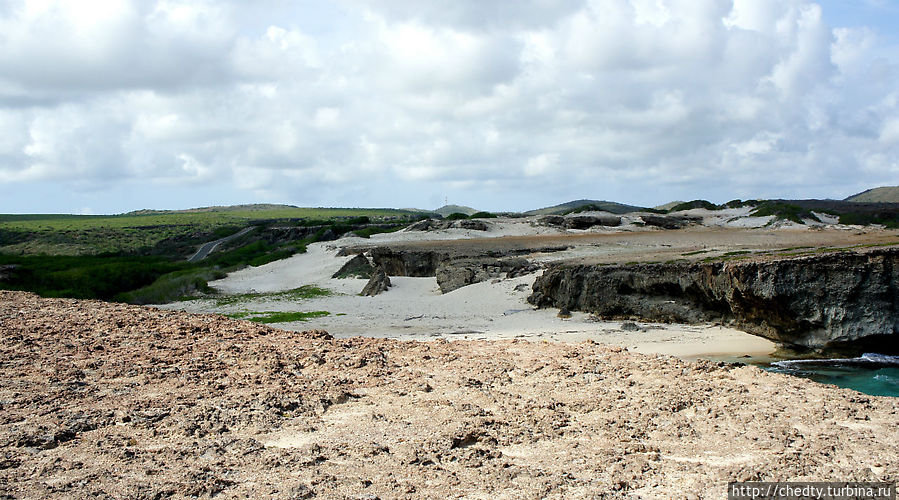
(414, 309)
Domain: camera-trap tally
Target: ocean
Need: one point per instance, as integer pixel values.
(870, 373)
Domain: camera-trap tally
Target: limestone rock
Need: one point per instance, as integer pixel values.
(453, 274)
(357, 267)
(663, 222)
(588, 221)
(552, 220)
(475, 225)
(842, 299)
(378, 283)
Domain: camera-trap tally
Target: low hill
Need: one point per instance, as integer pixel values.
(607, 206)
(221, 208)
(669, 205)
(451, 209)
(883, 194)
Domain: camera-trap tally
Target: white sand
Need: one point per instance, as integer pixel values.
(414, 308)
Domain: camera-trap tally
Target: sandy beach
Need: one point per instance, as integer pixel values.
(415, 309)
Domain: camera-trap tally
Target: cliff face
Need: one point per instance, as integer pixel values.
(452, 271)
(821, 301)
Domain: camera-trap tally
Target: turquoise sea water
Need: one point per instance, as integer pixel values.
(875, 374)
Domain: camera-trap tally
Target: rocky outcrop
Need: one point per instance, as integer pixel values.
(452, 268)
(581, 221)
(357, 267)
(185, 405)
(588, 221)
(407, 262)
(840, 299)
(6, 272)
(667, 222)
(434, 225)
(454, 274)
(378, 283)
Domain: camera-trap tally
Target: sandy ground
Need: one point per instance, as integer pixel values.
(116, 401)
(414, 309)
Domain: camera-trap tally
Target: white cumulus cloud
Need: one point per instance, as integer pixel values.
(402, 103)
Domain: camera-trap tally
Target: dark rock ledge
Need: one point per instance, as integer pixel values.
(843, 299)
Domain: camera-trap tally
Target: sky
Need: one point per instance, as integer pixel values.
(113, 106)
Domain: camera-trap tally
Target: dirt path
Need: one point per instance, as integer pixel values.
(207, 248)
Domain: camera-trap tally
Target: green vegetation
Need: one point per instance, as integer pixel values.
(694, 204)
(605, 206)
(883, 194)
(279, 317)
(164, 232)
(85, 277)
(740, 203)
(178, 285)
(482, 215)
(785, 211)
(696, 252)
(456, 216)
(141, 257)
(369, 231)
(296, 294)
(887, 219)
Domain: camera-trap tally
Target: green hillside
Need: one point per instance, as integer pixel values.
(452, 209)
(571, 206)
(884, 194)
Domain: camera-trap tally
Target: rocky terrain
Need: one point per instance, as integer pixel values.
(112, 401)
(823, 300)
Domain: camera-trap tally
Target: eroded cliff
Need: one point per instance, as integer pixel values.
(828, 300)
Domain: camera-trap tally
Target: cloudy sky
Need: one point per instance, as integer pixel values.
(112, 106)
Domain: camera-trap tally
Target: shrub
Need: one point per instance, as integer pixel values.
(694, 204)
(784, 211)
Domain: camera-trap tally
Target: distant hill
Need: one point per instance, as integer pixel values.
(223, 208)
(451, 209)
(669, 205)
(884, 194)
(607, 206)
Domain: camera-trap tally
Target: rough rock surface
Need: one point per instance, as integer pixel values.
(406, 262)
(357, 267)
(434, 225)
(452, 272)
(825, 300)
(7, 271)
(663, 221)
(588, 221)
(456, 273)
(580, 221)
(378, 283)
(115, 401)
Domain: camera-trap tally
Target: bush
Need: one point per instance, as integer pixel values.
(85, 277)
(482, 215)
(888, 219)
(785, 211)
(173, 286)
(368, 231)
(456, 216)
(694, 204)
